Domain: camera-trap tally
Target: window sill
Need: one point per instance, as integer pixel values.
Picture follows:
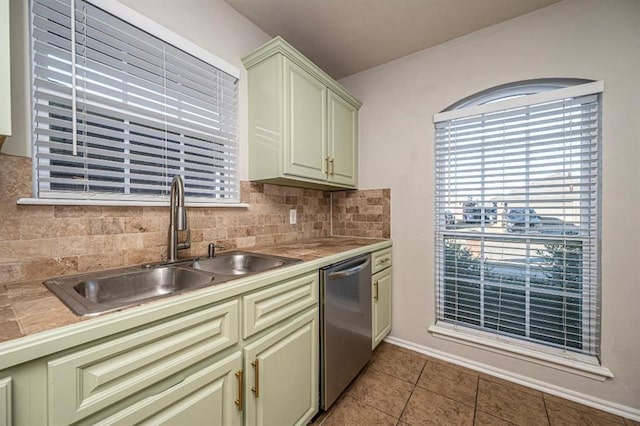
(120, 203)
(582, 365)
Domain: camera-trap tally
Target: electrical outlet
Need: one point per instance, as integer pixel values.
(293, 219)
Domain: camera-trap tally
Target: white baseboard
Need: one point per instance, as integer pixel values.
(600, 404)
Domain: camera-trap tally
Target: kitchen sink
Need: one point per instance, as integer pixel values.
(100, 292)
(92, 294)
(240, 263)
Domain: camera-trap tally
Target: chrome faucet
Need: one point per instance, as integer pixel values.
(177, 220)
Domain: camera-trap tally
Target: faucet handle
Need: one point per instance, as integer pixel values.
(187, 242)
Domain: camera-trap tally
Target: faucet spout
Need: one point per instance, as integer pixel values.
(177, 219)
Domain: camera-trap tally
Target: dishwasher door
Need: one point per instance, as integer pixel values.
(346, 325)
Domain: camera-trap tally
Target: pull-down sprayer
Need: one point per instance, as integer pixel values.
(177, 219)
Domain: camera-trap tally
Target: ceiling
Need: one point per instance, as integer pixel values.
(344, 37)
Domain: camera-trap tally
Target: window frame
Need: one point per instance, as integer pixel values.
(169, 37)
(490, 101)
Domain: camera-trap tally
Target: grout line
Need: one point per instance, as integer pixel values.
(544, 403)
(475, 406)
(412, 390)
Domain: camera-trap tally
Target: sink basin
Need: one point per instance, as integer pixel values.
(240, 263)
(93, 294)
(101, 292)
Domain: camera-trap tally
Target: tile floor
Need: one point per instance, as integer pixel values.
(405, 388)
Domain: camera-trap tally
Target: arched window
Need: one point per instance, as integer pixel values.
(517, 208)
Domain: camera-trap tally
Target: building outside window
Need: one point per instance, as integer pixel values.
(517, 217)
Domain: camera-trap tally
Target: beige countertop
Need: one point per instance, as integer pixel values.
(28, 308)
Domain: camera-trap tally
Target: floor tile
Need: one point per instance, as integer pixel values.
(484, 419)
(351, 412)
(511, 404)
(401, 349)
(578, 415)
(510, 384)
(403, 365)
(382, 391)
(448, 380)
(428, 408)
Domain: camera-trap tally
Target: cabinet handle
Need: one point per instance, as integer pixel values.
(375, 294)
(326, 165)
(238, 401)
(256, 372)
(331, 164)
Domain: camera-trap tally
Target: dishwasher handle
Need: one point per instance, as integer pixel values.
(350, 271)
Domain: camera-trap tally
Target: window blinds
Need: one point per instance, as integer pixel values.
(517, 219)
(141, 111)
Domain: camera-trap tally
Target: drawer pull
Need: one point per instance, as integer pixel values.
(238, 401)
(375, 293)
(256, 371)
(385, 260)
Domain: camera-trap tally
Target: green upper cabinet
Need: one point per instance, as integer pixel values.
(342, 141)
(5, 78)
(305, 131)
(303, 126)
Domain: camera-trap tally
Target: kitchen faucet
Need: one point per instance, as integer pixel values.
(177, 220)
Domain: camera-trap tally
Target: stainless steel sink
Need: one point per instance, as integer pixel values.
(240, 263)
(92, 294)
(100, 292)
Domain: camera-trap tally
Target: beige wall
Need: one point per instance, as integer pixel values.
(592, 39)
(211, 24)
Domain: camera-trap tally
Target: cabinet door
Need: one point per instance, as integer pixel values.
(305, 124)
(281, 373)
(342, 141)
(381, 305)
(6, 418)
(206, 397)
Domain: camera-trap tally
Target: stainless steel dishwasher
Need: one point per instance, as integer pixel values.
(346, 325)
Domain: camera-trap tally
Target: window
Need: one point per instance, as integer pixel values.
(517, 208)
(118, 111)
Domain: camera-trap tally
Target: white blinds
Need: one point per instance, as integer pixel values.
(142, 111)
(517, 219)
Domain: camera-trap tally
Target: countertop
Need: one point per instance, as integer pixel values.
(28, 308)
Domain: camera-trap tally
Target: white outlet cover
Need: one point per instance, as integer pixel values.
(293, 216)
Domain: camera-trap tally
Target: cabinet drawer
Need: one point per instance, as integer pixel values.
(205, 397)
(266, 307)
(380, 260)
(86, 381)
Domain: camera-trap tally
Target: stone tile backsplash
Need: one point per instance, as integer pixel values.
(45, 241)
(363, 213)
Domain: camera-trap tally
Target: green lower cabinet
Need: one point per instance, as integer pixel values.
(121, 372)
(381, 305)
(281, 374)
(6, 419)
(206, 397)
